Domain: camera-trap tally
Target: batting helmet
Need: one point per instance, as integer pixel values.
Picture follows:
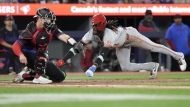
(99, 18)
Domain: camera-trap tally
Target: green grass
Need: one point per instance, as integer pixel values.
(120, 103)
(167, 84)
(182, 75)
(136, 76)
(6, 78)
(131, 103)
(109, 77)
(9, 90)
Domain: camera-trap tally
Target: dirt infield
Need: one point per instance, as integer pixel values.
(115, 83)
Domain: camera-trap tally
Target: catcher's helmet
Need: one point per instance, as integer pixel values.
(99, 18)
(46, 13)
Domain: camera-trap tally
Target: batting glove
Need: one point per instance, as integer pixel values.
(90, 71)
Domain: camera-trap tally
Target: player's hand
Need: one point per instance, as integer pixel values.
(23, 59)
(90, 71)
(60, 63)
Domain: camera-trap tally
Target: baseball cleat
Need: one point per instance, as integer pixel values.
(89, 73)
(41, 80)
(153, 73)
(19, 77)
(182, 63)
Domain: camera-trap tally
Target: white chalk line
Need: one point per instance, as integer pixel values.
(57, 97)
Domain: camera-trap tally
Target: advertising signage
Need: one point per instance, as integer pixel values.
(91, 9)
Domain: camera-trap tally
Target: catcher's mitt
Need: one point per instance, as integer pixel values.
(79, 48)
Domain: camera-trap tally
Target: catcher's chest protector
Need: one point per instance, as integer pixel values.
(39, 36)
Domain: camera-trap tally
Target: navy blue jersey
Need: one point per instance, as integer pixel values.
(8, 36)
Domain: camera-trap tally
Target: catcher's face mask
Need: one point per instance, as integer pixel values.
(49, 21)
(48, 18)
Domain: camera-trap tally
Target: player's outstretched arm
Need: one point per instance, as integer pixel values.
(104, 51)
(77, 48)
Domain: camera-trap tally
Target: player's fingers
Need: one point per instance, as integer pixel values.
(21, 60)
(24, 61)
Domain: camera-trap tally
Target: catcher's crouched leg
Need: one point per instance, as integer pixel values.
(55, 73)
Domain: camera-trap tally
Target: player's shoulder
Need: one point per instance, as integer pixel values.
(171, 27)
(32, 23)
(141, 21)
(186, 26)
(89, 32)
(129, 28)
(31, 27)
(110, 31)
(26, 35)
(110, 34)
(120, 28)
(28, 32)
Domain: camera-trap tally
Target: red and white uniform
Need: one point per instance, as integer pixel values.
(122, 40)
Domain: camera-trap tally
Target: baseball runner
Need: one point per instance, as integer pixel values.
(123, 38)
(31, 47)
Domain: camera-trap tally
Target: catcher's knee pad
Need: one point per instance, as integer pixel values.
(59, 78)
(40, 65)
(62, 77)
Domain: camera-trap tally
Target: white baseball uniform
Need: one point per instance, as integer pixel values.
(122, 40)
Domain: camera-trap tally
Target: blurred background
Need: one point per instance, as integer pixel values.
(167, 28)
